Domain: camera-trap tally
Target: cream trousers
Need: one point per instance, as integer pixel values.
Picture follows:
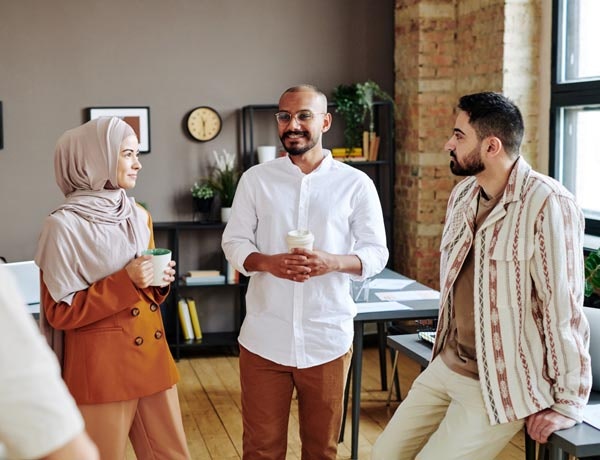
(443, 417)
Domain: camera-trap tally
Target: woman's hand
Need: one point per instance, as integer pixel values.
(140, 271)
(169, 274)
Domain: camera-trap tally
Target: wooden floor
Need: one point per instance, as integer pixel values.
(209, 392)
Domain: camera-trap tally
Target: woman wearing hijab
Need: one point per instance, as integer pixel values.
(99, 312)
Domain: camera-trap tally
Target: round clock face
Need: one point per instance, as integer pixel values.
(204, 123)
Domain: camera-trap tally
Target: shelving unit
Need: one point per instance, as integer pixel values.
(171, 235)
(258, 123)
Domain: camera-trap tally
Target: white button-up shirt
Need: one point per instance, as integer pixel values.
(311, 323)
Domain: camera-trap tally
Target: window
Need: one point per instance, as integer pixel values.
(575, 103)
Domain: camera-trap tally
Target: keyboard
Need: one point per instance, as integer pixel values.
(427, 336)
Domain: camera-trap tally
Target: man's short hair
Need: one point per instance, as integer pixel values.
(306, 87)
(492, 114)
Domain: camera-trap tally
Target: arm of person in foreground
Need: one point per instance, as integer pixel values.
(39, 418)
(80, 447)
(558, 274)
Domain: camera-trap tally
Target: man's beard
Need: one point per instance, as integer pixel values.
(293, 150)
(472, 165)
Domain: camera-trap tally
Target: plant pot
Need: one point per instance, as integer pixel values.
(225, 213)
(203, 205)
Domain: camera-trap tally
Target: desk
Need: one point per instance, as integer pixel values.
(411, 346)
(420, 309)
(582, 440)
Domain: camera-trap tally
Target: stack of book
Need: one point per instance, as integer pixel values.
(200, 277)
(188, 318)
(370, 145)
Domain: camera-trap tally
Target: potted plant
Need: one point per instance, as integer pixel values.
(203, 195)
(349, 106)
(367, 92)
(592, 277)
(224, 181)
(355, 104)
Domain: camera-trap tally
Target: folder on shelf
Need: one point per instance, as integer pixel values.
(194, 317)
(185, 320)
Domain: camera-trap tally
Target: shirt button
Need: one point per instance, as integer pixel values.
(135, 311)
(138, 341)
(153, 307)
(157, 335)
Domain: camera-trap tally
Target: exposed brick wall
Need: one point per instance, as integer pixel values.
(444, 49)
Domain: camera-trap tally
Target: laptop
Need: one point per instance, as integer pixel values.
(593, 317)
(27, 275)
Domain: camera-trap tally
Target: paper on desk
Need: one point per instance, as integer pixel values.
(389, 283)
(409, 295)
(591, 415)
(370, 307)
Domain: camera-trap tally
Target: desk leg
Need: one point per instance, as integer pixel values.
(356, 377)
(556, 453)
(381, 341)
(530, 446)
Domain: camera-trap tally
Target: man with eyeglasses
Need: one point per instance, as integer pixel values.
(298, 328)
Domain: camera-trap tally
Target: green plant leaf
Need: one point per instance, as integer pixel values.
(589, 289)
(592, 273)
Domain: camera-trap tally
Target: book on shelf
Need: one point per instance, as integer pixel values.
(201, 280)
(374, 147)
(202, 273)
(185, 320)
(191, 303)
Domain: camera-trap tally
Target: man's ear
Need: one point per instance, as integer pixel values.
(493, 145)
(326, 123)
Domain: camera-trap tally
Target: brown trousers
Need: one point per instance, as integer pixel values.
(267, 390)
(153, 424)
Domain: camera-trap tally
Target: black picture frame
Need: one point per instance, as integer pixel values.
(137, 117)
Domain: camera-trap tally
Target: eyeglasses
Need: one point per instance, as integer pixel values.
(303, 116)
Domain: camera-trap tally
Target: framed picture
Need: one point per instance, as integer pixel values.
(137, 117)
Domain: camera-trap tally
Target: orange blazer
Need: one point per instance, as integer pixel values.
(115, 346)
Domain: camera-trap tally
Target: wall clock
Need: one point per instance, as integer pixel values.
(203, 123)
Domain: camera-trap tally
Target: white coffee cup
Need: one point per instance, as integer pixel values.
(300, 239)
(160, 262)
(266, 153)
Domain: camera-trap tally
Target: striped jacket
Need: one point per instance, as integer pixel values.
(531, 334)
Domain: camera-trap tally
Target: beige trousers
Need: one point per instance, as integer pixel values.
(443, 417)
(153, 424)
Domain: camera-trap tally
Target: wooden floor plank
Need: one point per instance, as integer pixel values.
(209, 392)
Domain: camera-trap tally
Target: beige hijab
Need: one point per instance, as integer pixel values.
(98, 229)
